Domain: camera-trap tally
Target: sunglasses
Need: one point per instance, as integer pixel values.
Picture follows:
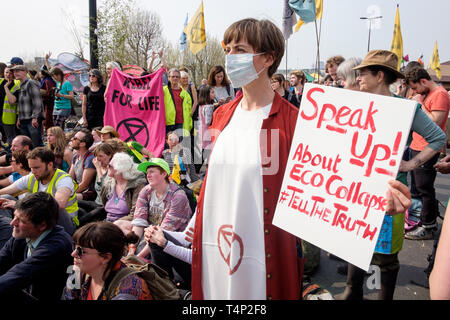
(80, 252)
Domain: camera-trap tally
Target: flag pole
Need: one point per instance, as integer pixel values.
(317, 58)
(286, 59)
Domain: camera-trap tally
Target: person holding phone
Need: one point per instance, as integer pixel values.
(223, 89)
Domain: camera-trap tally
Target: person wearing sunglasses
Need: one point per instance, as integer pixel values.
(34, 261)
(19, 165)
(99, 248)
(93, 105)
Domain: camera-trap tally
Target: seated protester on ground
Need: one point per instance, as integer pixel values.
(19, 164)
(97, 139)
(172, 250)
(45, 177)
(106, 133)
(56, 142)
(134, 148)
(82, 169)
(183, 172)
(5, 229)
(119, 193)
(35, 260)
(99, 248)
(94, 210)
(19, 143)
(160, 203)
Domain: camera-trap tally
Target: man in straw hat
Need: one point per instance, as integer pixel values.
(107, 132)
(377, 72)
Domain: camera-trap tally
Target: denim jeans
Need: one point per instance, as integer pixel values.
(35, 134)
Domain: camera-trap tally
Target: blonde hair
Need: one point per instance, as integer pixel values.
(60, 143)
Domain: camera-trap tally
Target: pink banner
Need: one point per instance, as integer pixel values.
(135, 107)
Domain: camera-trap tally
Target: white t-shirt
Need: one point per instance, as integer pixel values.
(233, 255)
(221, 92)
(11, 181)
(66, 182)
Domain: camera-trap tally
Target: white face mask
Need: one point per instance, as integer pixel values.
(240, 68)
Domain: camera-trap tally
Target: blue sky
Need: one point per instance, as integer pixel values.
(42, 26)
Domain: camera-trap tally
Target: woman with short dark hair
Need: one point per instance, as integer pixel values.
(99, 247)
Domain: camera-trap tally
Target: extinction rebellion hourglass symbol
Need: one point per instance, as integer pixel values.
(227, 240)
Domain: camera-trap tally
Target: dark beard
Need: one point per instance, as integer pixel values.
(46, 176)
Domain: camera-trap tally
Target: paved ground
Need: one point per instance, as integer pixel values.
(413, 260)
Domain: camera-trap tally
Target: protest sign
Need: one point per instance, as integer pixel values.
(135, 108)
(347, 146)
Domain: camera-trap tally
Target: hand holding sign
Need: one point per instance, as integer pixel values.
(347, 146)
(398, 198)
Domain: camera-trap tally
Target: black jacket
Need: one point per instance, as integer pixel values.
(43, 274)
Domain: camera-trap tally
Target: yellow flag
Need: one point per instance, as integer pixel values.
(176, 170)
(319, 11)
(195, 31)
(397, 42)
(434, 62)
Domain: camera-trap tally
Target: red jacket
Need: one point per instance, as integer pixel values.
(283, 267)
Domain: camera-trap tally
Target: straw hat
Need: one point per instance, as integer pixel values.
(108, 129)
